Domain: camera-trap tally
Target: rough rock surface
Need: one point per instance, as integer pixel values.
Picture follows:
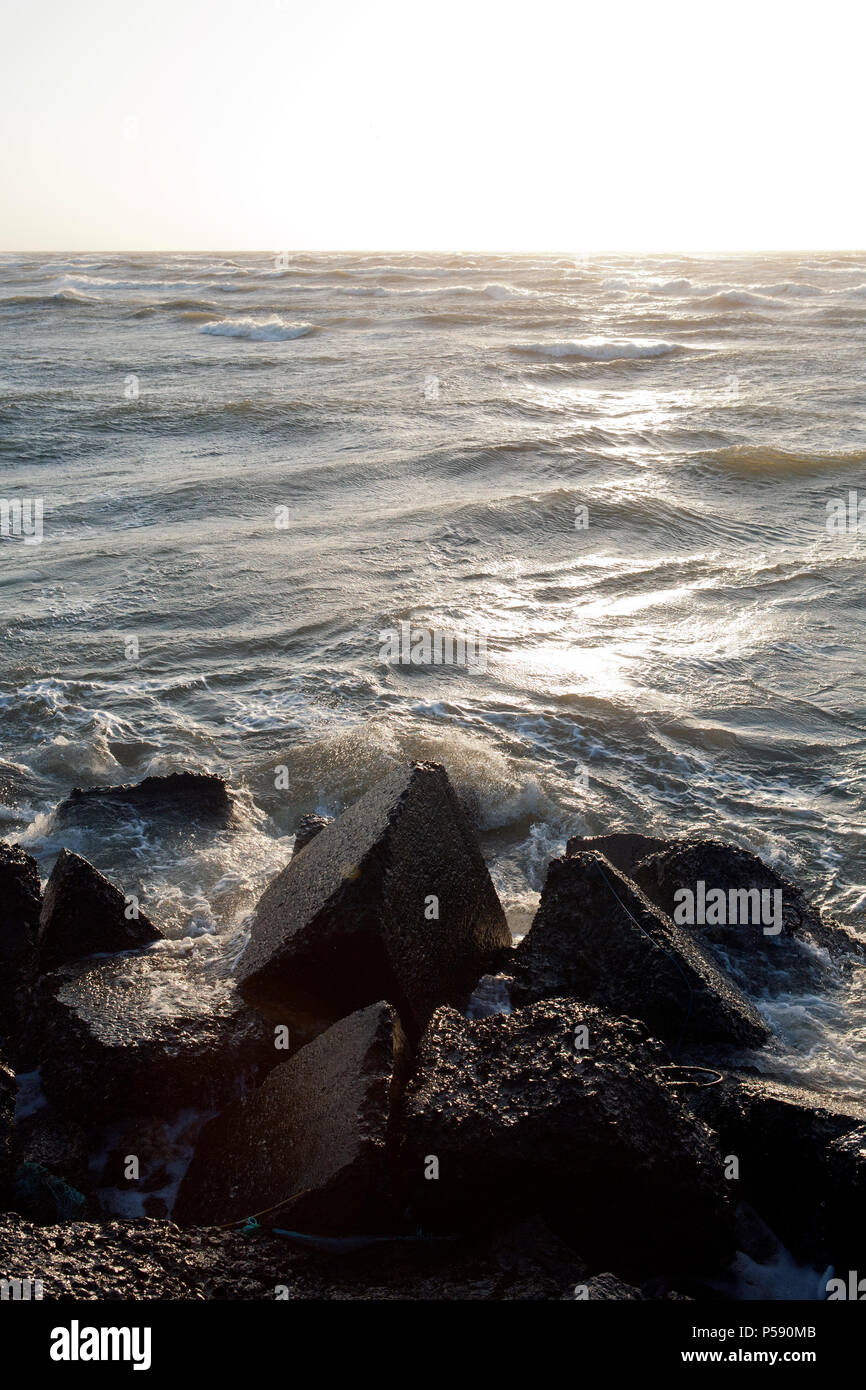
(84, 913)
(55, 1143)
(843, 1188)
(797, 1151)
(624, 849)
(682, 863)
(199, 796)
(596, 937)
(610, 1289)
(307, 829)
(8, 1092)
(156, 1259)
(145, 1034)
(391, 901)
(521, 1119)
(317, 1126)
(20, 898)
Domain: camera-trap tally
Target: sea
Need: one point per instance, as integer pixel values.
(585, 529)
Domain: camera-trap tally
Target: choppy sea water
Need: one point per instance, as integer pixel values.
(252, 467)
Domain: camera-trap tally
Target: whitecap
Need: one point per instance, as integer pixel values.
(270, 330)
(601, 349)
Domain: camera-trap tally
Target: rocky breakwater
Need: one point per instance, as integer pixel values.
(371, 1134)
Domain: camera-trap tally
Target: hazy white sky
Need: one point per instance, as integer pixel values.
(465, 124)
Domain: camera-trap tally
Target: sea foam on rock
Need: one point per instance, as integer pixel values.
(391, 901)
(528, 1113)
(84, 913)
(144, 1034)
(597, 937)
(309, 1147)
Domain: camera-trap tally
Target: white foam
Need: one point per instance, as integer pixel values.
(782, 1278)
(75, 284)
(602, 349)
(492, 995)
(497, 291)
(270, 330)
(175, 1143)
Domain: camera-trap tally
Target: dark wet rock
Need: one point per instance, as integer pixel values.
(623, 849)
(147, 1259)
(761, 959)
(56, 1143)
(679, 864)
(526, 1260)
(844, 1191)
(309, 1147)
(307, 829)
(42, 1196)
(610, 1289)
(754, 1237)
(156, 1207)
(146, 1034)
(797, 1152)
(84, 913)
(353, 919)
(8, 1092)
(20, 900)
(520, 1119)
(189, 796)
(596, 937)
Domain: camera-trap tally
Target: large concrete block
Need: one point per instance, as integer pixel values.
(84, 913)
(391, 901)
(596, 937)
(308, 1149)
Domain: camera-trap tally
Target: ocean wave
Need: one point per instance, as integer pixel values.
(425, 292)
(492, 290)
(499, 291)
(670, 286)
(732, 298)
(270, 330)
(42, 301)
(601, 349)
(754, 459)
(84, 283)
(793, 288)
(186, 303)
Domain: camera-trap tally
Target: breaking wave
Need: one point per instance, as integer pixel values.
(601, 349)
(269, 330)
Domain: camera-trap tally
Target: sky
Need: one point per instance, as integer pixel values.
(402, 124)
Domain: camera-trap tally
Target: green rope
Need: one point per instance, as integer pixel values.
(42, 1196)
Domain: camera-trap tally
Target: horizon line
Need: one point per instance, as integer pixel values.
(428, 251)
